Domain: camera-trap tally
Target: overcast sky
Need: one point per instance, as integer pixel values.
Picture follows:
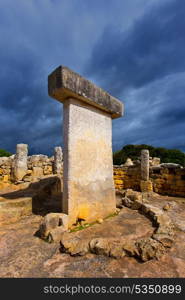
(134, 49)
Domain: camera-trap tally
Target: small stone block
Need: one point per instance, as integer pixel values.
(146, 186)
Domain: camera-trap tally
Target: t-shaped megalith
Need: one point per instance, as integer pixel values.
(89, 191)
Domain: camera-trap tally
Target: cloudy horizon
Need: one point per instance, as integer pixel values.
(134, 49)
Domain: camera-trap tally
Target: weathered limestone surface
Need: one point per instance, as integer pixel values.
(20, 163)
(144, 165)
(53, 226)
(64, 83)
(12, 210)
(145, 248)
(38, 165)
(165, 178)
(128, 162)
(145, 184)
(40, 197)
(155, 161)
(24, 255)
(37, 172)
(88, 170)
(89, 192)
(5, 169)
(57, 164)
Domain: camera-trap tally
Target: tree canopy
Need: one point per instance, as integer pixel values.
(4, 153)
(134, 151)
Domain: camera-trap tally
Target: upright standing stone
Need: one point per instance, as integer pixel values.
(144, 165)
(57, 164)
(89, 192)
(145, 184)
(20, 166)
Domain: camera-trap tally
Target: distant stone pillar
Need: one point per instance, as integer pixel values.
(89, 192)
(145, 184)
(20, 166)
(144, 165)
(57, 164)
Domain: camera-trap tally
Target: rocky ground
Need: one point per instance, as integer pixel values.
(24, 254)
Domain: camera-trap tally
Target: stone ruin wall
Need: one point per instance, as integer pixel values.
(166, 179)
(127, 177)
(38, 166)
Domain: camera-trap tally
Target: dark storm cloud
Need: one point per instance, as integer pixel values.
(151, 49)
(35, 37)
(29, 51)
(27, 113)
(145, 66)
(154, 115)
(138, 54)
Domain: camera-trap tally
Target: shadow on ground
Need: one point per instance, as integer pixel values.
(46, 195)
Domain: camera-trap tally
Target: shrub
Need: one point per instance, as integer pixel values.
(4, 153)
(134, 151)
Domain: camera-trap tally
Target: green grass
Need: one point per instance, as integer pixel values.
(81, 227)
(111, 215)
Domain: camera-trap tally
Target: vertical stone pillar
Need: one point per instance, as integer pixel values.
(20, 166)
(89, 191)
(145, 184)
(57, 164)
(144, 165)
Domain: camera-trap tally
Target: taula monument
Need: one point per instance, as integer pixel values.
(88, 186)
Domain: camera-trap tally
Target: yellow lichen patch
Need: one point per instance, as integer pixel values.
(146, 186)
(4, 185)
(118, 181)
(6, 178)
(83, 211)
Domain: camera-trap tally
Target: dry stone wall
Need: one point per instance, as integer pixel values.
(38, 166)
(167, 179)
(127, 177)
(6, 168)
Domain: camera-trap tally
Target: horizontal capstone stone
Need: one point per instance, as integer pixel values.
(63, 83)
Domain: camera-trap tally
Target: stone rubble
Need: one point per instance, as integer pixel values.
(53, 226)
(143, 249)
(128, 162)
(20, 168)
(166, 178)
